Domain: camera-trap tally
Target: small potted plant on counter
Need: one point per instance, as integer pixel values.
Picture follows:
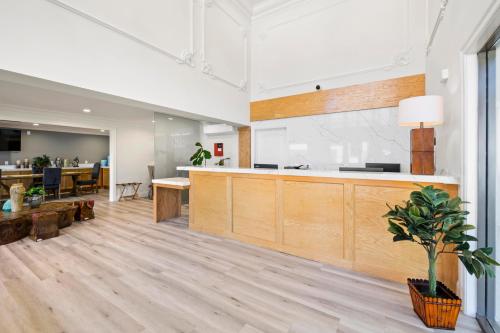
(39, 163)
(438, 223)
(35, 196)
(200, 156)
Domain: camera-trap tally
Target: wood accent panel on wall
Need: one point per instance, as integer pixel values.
(254, 208)
(313, 218)
(373, 95)
(244, 144)
(208, 204)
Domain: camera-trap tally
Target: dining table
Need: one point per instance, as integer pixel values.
(73, 174)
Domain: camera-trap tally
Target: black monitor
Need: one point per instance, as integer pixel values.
(265, 166)
(10, 139)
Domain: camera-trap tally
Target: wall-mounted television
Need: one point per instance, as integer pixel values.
(10, 139)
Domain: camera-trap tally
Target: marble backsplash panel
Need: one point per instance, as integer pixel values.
(332, 140)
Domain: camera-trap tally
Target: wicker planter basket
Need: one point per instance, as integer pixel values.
(435, 312)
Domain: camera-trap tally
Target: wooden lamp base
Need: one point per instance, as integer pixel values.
(422, 151)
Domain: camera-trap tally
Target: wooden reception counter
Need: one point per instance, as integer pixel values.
(332, 217)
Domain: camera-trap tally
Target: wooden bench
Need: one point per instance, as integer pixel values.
(167, 199)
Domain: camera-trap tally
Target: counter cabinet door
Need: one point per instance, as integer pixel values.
(208, 204)
(313, 218)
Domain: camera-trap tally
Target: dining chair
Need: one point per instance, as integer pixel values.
(52, 181)
(92, 182)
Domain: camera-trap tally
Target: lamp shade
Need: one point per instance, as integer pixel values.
(422, 109)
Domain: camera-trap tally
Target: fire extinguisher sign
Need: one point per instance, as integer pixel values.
(218, 149)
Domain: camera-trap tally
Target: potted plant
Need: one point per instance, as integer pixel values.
(438, 223)
(35, 196)
(200, 156)
(39, 163)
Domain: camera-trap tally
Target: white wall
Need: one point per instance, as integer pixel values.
(335, 43)
(134, 139)
(189, 55)
(461, 34)
(231, 147)
(462, 19)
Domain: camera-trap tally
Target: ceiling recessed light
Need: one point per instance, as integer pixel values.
(170, 118)
(103, 131)
(87, 110)
(36, 124)
(153, 121)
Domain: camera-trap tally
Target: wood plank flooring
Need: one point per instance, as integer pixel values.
(122, 273)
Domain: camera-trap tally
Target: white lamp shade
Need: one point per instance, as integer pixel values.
(422, 109)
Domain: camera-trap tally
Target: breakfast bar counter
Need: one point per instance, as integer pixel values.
(328, 216)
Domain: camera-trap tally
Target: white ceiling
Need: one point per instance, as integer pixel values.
(39, 98)
(52, 128)
(33, 93)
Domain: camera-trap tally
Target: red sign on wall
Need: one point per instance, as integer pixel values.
(218, 149)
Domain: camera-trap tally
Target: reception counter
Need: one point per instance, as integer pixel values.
(329, 216)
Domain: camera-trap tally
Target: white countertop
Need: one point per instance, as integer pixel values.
(177, 181)
(394, 176)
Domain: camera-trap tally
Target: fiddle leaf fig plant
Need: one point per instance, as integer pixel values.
(438, 223)
(200, 156)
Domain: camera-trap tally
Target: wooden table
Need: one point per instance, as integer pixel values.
(15, 226)
(167, 200)
(73, 174)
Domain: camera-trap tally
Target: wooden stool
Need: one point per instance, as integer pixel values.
(84, 210)
(134, 186)
(167, 200)
(66, 215)
(45, 226)
(14, 228)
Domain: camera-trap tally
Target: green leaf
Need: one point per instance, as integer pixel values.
(398, 238)
(394, 228)
(478, 268)
(207, 154)
(461, 247)
(454, 203)
(487, 250)
(468, 266)
(198, 144)
(489, 271)
(484, 258)
(462, 228)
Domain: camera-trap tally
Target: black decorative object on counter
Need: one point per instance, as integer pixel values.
(265, 166)
(387, 167)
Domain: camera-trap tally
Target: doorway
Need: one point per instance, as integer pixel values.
(489, 178)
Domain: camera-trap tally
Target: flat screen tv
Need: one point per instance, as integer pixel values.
(10, 139)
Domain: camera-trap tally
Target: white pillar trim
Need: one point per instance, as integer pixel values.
(469, 188)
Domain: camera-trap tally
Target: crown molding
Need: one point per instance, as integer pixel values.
(270, 6)
(184, 57)
(206, 66)
(439, 19)
(245, 6)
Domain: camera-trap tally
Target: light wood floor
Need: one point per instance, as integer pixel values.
(122, 273)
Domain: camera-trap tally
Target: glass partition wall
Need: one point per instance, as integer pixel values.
(175, 139)
(489, 179)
